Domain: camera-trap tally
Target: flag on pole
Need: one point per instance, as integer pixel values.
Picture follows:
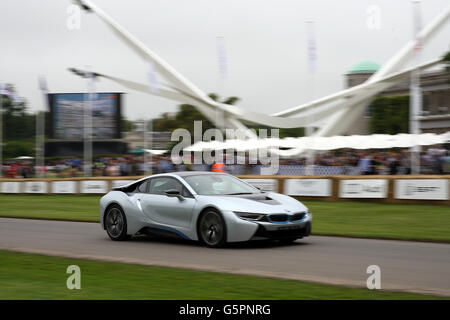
(222, 64)
(417, 27)
(42, 84)
(222, 57)
(152, 78)
(311, 47)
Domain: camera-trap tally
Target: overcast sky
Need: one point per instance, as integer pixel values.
(265, 46)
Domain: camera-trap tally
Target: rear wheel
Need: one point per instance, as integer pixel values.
(212, 230)
(116, 223)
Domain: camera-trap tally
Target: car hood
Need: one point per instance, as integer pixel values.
(264, 202)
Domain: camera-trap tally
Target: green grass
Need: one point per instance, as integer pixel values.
(31, 276)
(60, 207)
(381, 220)
(344, 218)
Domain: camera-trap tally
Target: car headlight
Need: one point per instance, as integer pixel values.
(308, 214)
(249, 215)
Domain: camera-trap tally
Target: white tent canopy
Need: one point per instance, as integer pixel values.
(296, 146)
(155, 152)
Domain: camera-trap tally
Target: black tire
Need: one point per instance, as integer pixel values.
(212, 230)
(116, 223)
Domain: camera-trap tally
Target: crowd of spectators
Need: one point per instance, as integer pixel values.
(370, 162)
(75, 167)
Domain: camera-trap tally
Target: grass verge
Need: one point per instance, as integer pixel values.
(381, 220)
(344, 218)
(32, 276)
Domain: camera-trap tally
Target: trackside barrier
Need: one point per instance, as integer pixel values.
(431, 189)
(395, 189)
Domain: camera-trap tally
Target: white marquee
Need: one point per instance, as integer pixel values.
(295, 146)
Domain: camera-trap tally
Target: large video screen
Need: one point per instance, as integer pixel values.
(67, 114)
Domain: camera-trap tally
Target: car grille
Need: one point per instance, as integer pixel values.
(298, 216)
(282, 217)
(278, 217)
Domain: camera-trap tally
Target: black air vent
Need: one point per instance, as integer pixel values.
(298, 216)
(278, 217)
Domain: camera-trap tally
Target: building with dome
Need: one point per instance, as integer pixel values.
(435, 87)
(360, 72)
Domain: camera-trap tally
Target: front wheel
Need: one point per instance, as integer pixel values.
(212, 229)
(116, 223)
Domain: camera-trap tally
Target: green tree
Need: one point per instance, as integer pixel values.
(18, 127)
(14, 148)
(390, 115)
(126, 125)
(17, 123)
(446, 59)
(186, 115)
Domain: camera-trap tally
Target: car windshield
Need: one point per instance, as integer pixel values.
(219, 184)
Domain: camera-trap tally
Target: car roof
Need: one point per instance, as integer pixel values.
(194, 173)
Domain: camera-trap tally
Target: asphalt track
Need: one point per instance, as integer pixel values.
(409, 266)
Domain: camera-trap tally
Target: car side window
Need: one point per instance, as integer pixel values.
(186, 193)
(160, 185)
(142, 187)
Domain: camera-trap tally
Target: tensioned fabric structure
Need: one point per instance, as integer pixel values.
(290, 147)
(331, 115)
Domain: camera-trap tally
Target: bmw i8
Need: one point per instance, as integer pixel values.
(212, 207)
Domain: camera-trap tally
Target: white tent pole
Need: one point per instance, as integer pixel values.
(40, 127)
(312, 64)
(415, 99)
(88, 107)
(144, 129)
(147, 171)
(38, 145)
(149, 127)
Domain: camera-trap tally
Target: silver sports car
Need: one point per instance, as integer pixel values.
(214, 208)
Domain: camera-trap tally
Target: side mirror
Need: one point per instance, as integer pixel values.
(174, 193)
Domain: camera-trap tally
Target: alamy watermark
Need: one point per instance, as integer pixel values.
(374, 280)
(74, 280)
(373, 21)
(264, 155)
(73, 21)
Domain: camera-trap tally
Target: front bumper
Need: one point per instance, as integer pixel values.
(239, 229)
(291, 230)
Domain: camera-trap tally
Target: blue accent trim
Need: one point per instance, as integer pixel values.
(173, 231)
(287, 221)
(270, 220)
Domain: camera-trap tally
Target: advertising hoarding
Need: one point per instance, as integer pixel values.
(421, 189)
(308, 187)
(367, 188)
